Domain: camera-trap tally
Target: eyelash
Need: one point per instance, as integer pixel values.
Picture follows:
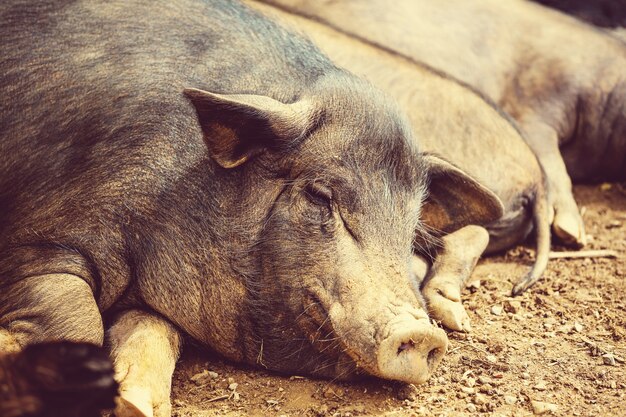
(320, 196)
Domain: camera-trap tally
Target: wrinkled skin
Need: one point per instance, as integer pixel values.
(165, 179)
(456, 123)
(564, 85)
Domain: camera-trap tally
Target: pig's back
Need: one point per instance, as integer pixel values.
(92, 91)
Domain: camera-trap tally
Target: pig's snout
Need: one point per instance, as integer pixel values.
(412, 350)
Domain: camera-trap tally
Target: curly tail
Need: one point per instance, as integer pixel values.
(541, 223)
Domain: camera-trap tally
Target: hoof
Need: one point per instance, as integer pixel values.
(444, 305)
(70, 379)
(569, 228)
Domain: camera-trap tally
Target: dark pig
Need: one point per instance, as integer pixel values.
(458, 124)
(607, 14)
(563, 81)
(192, 168)
(603, 13)
(59, 379)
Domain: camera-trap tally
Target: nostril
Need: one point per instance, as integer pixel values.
(406, 346)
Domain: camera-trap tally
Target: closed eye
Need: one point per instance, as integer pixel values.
(319, 194)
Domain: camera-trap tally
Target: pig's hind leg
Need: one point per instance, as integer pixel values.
(567, 223)
(449, 273)
(51, 307)
(144, 349)
(40, 309)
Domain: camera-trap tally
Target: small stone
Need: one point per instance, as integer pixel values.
(331, 392)
(471, 408)
(484, 380)
(280, 389)
(539, 407)
(474, 285)
(608, 359)
(231, 380)
(613, 224)
(233, 386)
(470, 382)
(525, 375)
(512, 306)
(486, 388)
(491, 358)
(612, 384)
(510, 400)
(541, 386)
(468, 390)
(606, 186)
(578, 327)
(201, 377)
(496, 310)
(480, 399)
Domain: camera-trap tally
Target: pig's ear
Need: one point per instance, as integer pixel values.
(456, 200)
(238, 126)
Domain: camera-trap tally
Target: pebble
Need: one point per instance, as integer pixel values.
(484, 380)
(541, 386)
(486, 388)
(525, 375)
(608, 359)
(233, 386)
(471, 408)
(468, 390)
(334, 393)
(578, 327)
(480, 399)
(491, 358)
(201, 377)
(509, 399)
(512, 306)
(470, 382)
(496, 310)
(539, 407)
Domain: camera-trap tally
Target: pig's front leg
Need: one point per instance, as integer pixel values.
(449, 273)
(144, 349)
(567, 222)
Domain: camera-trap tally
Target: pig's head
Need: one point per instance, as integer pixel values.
(341, 193)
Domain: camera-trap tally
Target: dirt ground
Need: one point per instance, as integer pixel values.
(562, 344)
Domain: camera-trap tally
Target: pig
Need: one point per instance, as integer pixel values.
(607, 14)
(53, 379)
(461, 126)
(561, 80)
(603, 13)
(194, 170)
